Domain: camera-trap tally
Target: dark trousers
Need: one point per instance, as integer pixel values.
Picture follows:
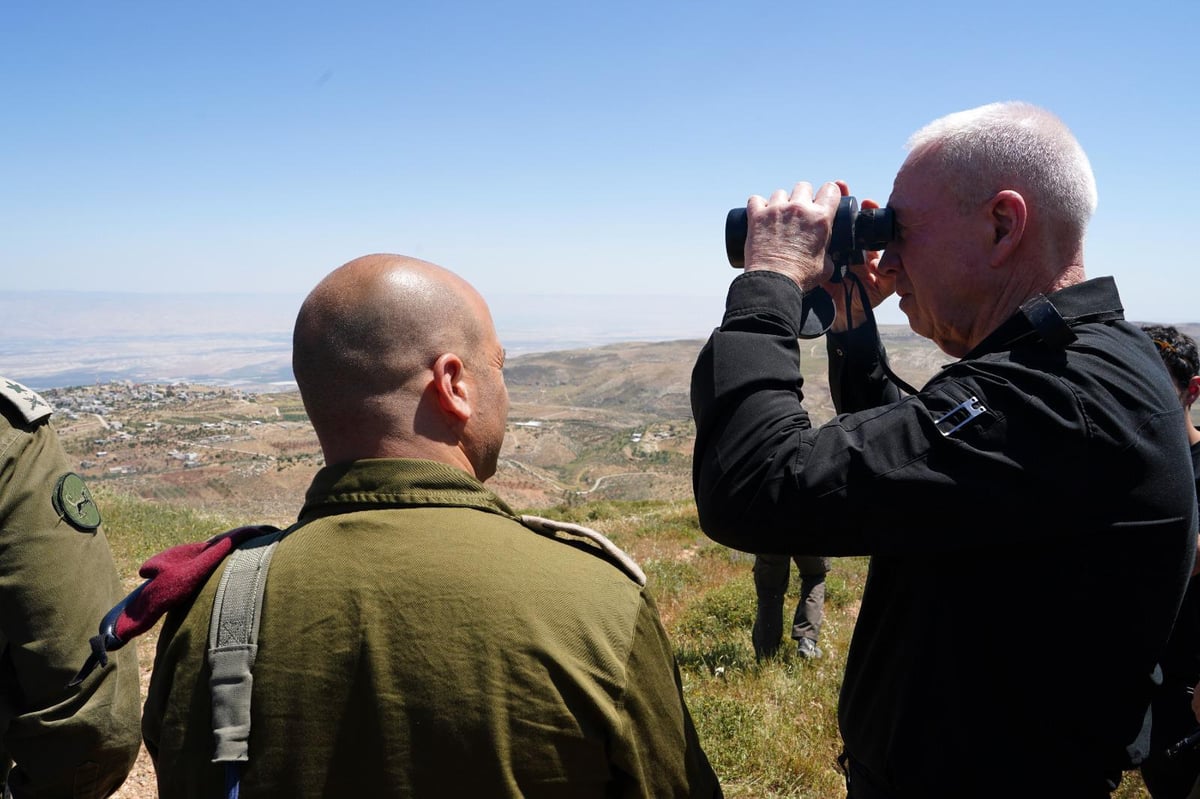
(771, 576)
(858, 782)
(861, 784)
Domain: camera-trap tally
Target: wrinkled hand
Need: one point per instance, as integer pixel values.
(879, 287)
(788, 234)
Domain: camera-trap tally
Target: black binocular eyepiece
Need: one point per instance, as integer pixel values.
(853, 232)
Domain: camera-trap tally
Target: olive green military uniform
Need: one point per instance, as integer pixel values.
(57, 580)
(418, 640)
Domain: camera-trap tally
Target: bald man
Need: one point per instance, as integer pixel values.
(417, 637)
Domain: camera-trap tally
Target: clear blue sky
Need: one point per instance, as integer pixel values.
(546, 147)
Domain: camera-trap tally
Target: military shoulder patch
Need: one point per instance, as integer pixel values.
(74, 502)
(553, 529)
(27, 401)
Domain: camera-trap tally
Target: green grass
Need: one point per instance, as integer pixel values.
(770, 729)
(138, 528)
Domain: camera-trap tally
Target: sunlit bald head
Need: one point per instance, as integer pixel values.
(365, 341)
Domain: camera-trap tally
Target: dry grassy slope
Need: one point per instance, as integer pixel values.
(653, 378)
(638, 378)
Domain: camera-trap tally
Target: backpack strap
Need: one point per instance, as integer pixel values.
(233, 644)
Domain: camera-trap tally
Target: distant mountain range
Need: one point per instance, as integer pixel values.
(58, 339)
(55, 339)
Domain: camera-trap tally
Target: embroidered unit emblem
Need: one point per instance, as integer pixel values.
(74, 502)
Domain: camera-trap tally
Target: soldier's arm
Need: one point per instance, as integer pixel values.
(57, 579)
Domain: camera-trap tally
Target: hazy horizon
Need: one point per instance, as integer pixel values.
(59, 339)
(64, 338)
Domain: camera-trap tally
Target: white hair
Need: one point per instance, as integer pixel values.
(1012, 145)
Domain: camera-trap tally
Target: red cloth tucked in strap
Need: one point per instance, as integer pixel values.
(174, 575)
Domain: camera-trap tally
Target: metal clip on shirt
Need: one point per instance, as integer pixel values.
(959, 415)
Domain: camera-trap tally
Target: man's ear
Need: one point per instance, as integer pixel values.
(1008, 215)
(453, 394)
(1192, 392)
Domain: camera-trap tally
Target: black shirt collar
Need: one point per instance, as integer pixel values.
(1049, 318)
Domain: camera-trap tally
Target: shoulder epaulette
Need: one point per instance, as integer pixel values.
(27, 401)
(568, 531)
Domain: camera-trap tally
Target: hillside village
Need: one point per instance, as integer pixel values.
(107, 404)
(192, 444)
(230, 449)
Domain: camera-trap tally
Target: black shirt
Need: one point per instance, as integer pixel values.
(1031, 519)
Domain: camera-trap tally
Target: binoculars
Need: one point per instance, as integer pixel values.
(853, 232)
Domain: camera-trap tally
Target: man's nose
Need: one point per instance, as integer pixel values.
(889, 263)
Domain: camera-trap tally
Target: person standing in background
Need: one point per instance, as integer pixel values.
(1174, 775)
(772, 573)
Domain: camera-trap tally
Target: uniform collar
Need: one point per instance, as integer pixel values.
(1049, 319)
(396, 483)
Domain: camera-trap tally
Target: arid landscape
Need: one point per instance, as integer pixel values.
(610, 422)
